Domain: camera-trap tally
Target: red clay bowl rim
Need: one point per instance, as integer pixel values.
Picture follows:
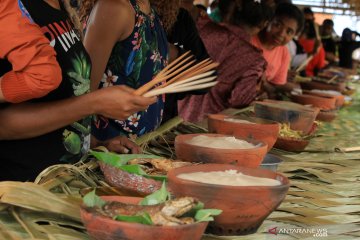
(284, 184)
(265, 121)
(253, 141)
(302, 108)
(83, 208)
(290, 139)
(305, 95)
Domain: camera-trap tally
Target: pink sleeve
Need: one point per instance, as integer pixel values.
(284, 62)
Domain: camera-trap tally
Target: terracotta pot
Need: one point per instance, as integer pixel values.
(291, 144)
(326, 116)
(262, 130)
(244, 208)
(299, 117)
(131, 183)
(103, 228)
(323, 86)
(324, 103)
(241, 157)
(340, 99)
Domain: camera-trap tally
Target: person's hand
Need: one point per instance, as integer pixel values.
(121, 144)
(291, 75)
(119, 102)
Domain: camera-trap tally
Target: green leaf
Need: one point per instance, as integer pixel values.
(118, 160)
(206, 215)
(135, 168)
(142, 219)
(156, 197)
(110, 158)
(198, 206)
(191, 213)
(92, 200)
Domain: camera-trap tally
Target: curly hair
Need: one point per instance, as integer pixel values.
(167, 10)
(85, 9)
(74, 17)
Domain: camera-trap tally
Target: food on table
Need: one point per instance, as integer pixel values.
(237, 120)
(229, 178)
(154, 166)
(220, 142)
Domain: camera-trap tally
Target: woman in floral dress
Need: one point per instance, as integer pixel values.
(128, 46)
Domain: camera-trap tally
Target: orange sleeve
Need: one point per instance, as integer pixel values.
(35, 71)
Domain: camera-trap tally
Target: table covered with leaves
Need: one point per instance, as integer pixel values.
(324, 196)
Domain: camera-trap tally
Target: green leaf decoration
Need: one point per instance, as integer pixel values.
(120, 161)
(92, 200)
(157, 197)
(142, 219)
(110, 158)
(206, 215)
(133, 169)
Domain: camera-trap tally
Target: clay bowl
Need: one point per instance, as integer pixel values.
(103, 228)
(240, 157)
(262, 130)
(326, 116)
(291, 144)
(244, 208)
(340, 99)
(324, 103)
(133, 184)
(299, 117)
(323, 86)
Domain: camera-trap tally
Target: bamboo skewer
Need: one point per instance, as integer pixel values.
(162, 76)
(181, 75)
(185, 74)
(304, 64)
(180, 89)
(333, 79)
(347, 149)
(188, 82)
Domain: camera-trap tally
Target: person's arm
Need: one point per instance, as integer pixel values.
(35, 71)
(281, 75)
(26, 120)
(244, 91)
(110, 21)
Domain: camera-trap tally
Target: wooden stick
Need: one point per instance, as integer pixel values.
(174, 90)
(197, 72)
(175, 67)
(333, 79)
(304, 64)
(194, 78)
(161, 76)
(189, 71)
(348, 149)
(189, 82)
(175, 61)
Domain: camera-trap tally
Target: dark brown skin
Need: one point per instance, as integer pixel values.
(117, 102)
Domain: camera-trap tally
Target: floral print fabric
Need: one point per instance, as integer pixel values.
(134, 62)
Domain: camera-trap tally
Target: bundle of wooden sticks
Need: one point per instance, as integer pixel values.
(181, 75)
